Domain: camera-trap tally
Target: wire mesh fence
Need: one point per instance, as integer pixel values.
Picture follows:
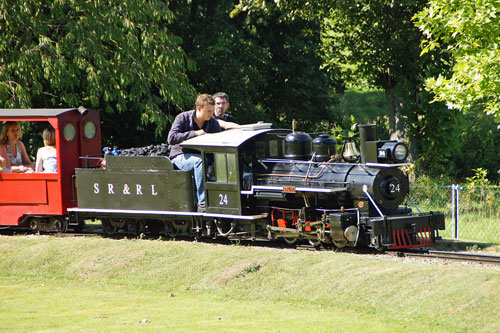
(471, 214)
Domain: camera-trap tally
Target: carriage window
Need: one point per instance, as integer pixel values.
(69, 132)
(89, 129)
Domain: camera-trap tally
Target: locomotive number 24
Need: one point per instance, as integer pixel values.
(223, 199)
(394, 187)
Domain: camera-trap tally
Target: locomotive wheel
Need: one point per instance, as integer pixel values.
(290, 240)
(339, 245)
(34, 225)
(314, 242)
(59, 224)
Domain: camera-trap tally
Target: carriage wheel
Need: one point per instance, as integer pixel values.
(59, 224)
(34, 225)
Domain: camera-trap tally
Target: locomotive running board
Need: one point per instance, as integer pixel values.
(254, 189)
(159, 213)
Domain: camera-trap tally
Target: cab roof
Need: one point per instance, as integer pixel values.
(229, 138)
(29, 113)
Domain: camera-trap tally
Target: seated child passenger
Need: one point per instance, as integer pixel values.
(46, 157)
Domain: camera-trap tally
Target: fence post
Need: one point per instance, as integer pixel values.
(455, 202)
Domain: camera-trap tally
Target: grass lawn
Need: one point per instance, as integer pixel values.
(50, 284)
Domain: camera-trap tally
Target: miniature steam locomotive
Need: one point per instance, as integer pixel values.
(263, 183)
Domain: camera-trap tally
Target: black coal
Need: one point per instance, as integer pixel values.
(151, 150)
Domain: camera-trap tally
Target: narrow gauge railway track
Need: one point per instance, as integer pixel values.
(483, 259)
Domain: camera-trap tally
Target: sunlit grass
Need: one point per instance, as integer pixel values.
(94, 284)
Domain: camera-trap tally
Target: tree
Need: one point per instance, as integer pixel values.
(469, 31)
(376, 44)
(270, 68)
(117, 56)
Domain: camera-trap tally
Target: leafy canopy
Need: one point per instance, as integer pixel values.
(115, 55)
(469, 31)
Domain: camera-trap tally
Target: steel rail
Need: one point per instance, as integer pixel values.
(453, 256)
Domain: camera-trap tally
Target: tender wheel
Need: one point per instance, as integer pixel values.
(169, 230)
(108, 227)
(135, 227)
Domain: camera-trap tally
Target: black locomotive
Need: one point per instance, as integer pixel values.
(263, 183)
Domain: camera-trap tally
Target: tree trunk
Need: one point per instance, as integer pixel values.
(397, 125)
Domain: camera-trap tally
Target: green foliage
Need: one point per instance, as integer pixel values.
(115, 56)
(362, 106)
(271, 68)
(479, 179)
(469, 31)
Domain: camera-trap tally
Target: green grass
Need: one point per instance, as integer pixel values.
(93, 284)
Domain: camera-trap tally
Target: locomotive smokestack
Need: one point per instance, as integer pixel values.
(366, 133)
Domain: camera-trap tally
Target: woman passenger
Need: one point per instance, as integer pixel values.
(12, 149)
(46, 157)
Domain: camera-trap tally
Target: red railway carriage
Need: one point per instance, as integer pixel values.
(40, 200)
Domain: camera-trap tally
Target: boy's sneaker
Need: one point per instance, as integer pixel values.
(201, 208)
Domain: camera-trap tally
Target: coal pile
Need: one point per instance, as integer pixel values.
(151, 150)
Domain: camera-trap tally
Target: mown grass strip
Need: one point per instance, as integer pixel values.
(61, 284)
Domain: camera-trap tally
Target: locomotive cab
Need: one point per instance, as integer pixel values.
(228, 162)
(40, 200)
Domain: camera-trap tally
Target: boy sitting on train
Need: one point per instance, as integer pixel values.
(12, 149)
(187, 125)
(46, 157)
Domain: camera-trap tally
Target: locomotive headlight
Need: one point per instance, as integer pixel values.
(393, 152)
(400, 152)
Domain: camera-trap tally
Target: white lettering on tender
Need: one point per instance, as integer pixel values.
(138, 190)
(126, 189)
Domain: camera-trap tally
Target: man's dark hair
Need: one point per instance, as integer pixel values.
(222, 95)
